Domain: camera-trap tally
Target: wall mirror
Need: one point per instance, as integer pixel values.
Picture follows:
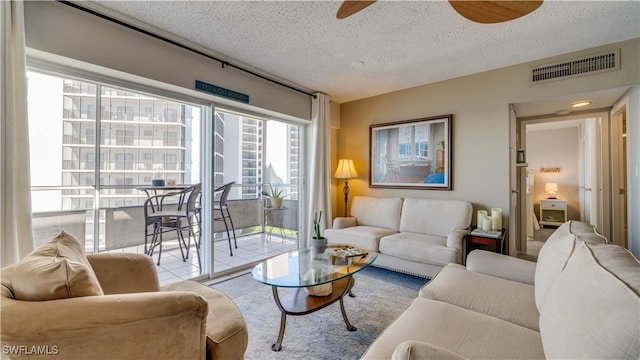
(411, 154)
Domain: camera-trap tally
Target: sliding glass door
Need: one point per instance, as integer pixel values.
(257, 154)
(92, 144)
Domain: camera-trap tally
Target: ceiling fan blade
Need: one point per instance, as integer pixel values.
(491, 12)
(350, 7)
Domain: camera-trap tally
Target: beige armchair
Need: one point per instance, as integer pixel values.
(134, 319)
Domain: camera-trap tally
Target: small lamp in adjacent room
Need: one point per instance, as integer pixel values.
(345, 171)
(551, 189)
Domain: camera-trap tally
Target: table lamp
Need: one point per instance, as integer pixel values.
(551, 189)
(345, 171)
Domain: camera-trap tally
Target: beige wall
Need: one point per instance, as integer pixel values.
(481, 126)
(556, 148)
(58, 29)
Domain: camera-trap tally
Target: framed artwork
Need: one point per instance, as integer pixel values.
(413, 154)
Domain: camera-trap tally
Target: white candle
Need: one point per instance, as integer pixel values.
(487, 223)
(480, 221)
(496, 217)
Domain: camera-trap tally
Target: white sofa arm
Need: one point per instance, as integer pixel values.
(454, 240)
(418, 350)
(344, 222)
(502, 266)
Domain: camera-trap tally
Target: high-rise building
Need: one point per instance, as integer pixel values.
(141, 138)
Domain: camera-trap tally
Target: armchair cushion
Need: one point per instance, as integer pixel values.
(56, 270)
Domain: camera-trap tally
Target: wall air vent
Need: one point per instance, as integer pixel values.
(586, 65)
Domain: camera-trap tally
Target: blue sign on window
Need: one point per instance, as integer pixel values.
(220, 91)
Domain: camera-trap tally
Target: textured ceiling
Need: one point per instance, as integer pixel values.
(401, 44)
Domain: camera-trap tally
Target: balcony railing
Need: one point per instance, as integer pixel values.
(123, 226)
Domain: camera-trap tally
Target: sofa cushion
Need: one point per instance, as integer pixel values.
(366, 237)
(435, 217)
(593, 308)
(55, 270)
(422, 248)
(555, 253)
(467, 333)
(378, 212)
(507, 300)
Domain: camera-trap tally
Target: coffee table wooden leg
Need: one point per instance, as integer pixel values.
(344, 313)
(283, 320)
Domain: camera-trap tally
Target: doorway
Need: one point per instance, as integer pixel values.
(564, 173)
(563, 178)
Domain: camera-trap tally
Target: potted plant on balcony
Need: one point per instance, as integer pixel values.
(275, 194)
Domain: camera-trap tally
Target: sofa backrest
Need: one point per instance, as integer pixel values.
(435, 217)
(555, 253)
(592, 310)
(379, 212)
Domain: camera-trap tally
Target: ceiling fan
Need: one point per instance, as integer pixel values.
(485, 12)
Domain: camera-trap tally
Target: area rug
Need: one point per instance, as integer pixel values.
(381, 296)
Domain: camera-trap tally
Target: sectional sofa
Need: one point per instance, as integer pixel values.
(414, 236)
(581, 300)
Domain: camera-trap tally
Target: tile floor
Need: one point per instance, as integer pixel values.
(251, 249)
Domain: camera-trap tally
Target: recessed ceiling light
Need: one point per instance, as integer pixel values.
(357, 63)
(581, 103)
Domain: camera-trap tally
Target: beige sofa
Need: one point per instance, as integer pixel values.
(414, 236)
(581, 300)
(58, 303)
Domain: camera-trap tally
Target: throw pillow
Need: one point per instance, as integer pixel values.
(58, 269)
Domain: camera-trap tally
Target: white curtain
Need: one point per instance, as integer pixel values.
(16, 233)
(318, 165)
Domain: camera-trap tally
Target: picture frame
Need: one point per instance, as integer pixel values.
(412, 154)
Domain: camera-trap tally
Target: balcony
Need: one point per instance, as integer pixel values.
(121, 229)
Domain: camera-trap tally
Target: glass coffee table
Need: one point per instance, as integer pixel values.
(300, 269)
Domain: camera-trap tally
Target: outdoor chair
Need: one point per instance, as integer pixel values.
(175, 211)
(222, 207)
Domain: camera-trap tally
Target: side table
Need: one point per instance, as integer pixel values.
(553, 212)
(274, 217)
(483, 241)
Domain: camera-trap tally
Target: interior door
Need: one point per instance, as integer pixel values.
(619, 225)
(588, 186)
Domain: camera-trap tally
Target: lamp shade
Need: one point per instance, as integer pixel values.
(551, 189)
(345, 170)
